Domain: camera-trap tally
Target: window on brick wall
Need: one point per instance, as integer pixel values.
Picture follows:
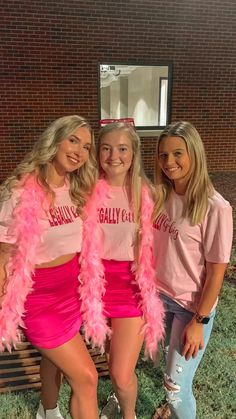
(141, 92)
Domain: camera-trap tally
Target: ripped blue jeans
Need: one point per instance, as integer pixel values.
(179, 373)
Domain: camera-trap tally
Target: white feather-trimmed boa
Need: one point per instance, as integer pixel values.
(93, 281)
(20, 267)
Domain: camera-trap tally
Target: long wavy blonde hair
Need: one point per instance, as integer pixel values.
(38, 161)
(136, 176)
(199, 188)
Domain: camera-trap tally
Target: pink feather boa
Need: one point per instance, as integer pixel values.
(151, 304)
(92, 273)
(20, 266)
(93, 281)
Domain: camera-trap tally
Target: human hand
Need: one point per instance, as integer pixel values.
(192, 339)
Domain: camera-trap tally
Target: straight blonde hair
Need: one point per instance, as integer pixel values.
(136, 176)
(199, 188)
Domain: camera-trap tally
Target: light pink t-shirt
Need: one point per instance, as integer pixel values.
(117, 226)
(61, 226)
(181, 250)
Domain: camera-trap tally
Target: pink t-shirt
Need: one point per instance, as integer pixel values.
(61, 226)
(117, 226)
(181, 250)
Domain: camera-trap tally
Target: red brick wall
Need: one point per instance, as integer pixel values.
(50, 51)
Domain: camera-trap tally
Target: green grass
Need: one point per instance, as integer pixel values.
(215, 382)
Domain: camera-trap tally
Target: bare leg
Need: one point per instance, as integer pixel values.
(125, 346)
(73, 359)
(51, 378)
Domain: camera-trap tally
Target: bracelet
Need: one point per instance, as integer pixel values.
(201, 319)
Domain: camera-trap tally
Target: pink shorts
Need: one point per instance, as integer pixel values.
(53, 307)
(121, 298)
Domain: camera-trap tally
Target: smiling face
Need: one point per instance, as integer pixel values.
(72, 153)
(174, 160)
(116, 155)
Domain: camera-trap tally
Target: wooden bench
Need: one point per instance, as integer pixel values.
(19, 370)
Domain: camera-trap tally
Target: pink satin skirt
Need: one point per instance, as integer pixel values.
(121, 298)
(53, 307)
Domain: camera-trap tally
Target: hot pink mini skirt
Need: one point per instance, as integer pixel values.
(53, 307)
(121, 298)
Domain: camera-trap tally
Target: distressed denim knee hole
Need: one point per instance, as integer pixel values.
(171, 390)
(179, 368)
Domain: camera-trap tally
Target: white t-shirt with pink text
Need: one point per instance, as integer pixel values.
(117, 227)
(61, 226)
(181, 250)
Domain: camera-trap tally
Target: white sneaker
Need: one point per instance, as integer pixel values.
(111, 409)
(49, 413)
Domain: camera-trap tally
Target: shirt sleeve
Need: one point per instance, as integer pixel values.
(218, 233)
(7, 206)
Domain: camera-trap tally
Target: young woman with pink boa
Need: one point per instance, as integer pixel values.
(120, 305)
(41, 209)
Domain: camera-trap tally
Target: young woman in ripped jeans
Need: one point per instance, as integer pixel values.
(193, 236)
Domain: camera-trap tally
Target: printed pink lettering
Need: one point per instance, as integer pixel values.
(164, 223)
(111, 212)
(68, 214)
(100, 215)
(61, 215)
(58, 215)
(73, 212)
(123, 216)
(114, 216)
(117, 215)
(105, 220)
(52, 221)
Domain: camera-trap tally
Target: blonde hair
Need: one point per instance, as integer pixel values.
(136, 176)
(199, 188)
(38, 161)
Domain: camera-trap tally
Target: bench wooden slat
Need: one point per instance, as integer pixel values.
(29, 378)
(25, 361)
(24, 369)
(19, 370)
(19, 354)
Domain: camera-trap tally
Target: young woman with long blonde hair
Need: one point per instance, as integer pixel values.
(193, 237)
(41, 210)
(118, 286)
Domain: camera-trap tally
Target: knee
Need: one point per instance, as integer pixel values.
(85, 379)
(173, 391)
(180, 397)
(91, 377)
(122, 379)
